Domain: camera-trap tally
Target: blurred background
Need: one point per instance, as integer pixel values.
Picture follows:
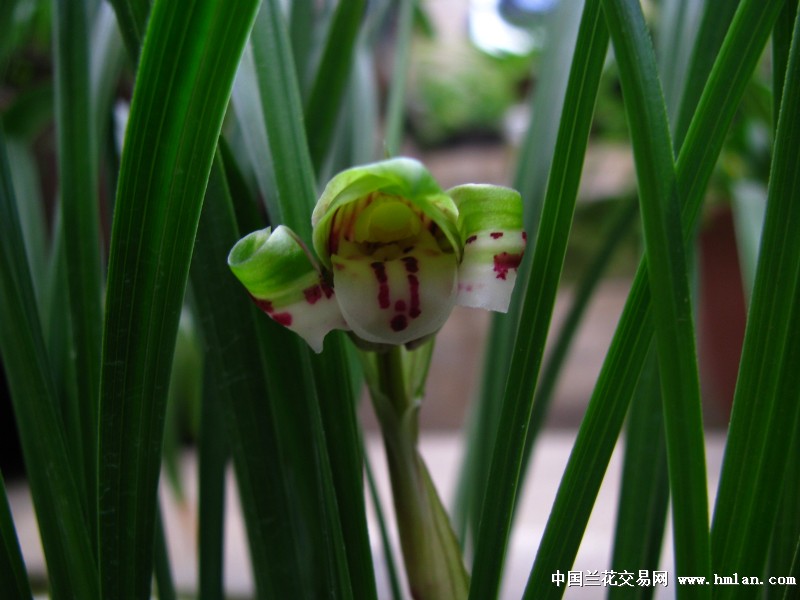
(475, 66)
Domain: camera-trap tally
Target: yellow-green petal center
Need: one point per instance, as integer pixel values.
(386, 221)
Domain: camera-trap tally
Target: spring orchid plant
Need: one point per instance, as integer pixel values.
(394, 255)
(230, 107)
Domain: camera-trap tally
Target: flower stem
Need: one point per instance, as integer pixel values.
(432, 556)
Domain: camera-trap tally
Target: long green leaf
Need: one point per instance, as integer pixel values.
(677, 28)
(182, 91)
(77, 168)
(765, 410)
(213, 450)
(717, 17)
(644, 489)
(132, 17)
(330, 84)
(162, 570)
(395, 110)
(781, 43)
(786, 534)
(606, 411)
(669, 287)
(59, 507)
(538, 304)
(238, 382)
(530, 179)
(583, 294)
(13, 578)
(301, 29)
(283, 119)
(332, 417)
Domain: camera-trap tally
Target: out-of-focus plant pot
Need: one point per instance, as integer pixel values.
(722, 312)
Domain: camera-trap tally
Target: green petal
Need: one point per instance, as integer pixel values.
(398, 300)
(490, 226)
(403, 177)
(285, 282)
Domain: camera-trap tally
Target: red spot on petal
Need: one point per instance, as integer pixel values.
(504, 262)
(398, 323)
(496, 235)
(413, 287)
(327, 290)
(383, 287)
(524, 237)
(264, 305)
(313, 294)
(283, 318)
(471, 239)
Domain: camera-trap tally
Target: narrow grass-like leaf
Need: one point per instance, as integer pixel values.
(781, 43)
(338, 460)
(583, 294)
(13, 577)
(182, 91)
(386, 543)
(77, 169)
(395, 109)
(213, 447)
(283, 118)
(107, 58)
(330, 83)
(530, 179)
(786, 534)
(30, 207)
(132, 17)
(7, 10)
(59, 507)
(231, 326)
(161, 568)
(301, 15)
(765, 409)
(714, 24)
(606, 411)
(644, 489)
(669, 285)
(248, 107)
(793, 572)
(548, 258)
(677, 28)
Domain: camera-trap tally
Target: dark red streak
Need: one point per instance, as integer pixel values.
(496, 235)
(383, 287)
(413, 286)
(412, 266)
(398, 323)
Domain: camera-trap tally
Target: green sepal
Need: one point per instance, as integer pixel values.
(286, 283)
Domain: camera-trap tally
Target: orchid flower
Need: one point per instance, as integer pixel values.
(394, 254)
